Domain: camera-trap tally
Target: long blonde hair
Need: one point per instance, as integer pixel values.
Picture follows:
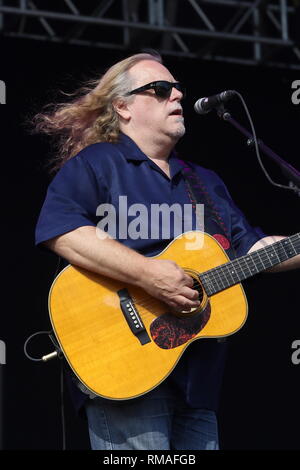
(90, 117)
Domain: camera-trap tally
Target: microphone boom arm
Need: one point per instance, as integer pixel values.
(288, 170)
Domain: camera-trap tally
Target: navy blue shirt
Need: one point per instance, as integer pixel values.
(103, 172)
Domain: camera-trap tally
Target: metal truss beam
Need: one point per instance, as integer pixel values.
(218, 30)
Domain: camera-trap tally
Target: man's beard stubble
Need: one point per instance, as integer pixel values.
(179, 131)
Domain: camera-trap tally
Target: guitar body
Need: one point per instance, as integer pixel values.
(101, 348)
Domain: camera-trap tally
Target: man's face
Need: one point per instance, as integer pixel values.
(149, 114)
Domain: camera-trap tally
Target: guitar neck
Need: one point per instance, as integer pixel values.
(233, 272)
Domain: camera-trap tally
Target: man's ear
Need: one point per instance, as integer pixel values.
(121, 108)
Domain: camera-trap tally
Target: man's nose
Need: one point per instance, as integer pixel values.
(176, 95)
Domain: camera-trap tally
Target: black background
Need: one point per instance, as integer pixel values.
(260, 401)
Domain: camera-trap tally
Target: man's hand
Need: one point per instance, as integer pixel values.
(166, 281)
(163, 279)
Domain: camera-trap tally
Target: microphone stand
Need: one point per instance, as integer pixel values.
(288, 170)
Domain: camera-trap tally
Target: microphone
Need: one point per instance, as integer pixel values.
(204, 105)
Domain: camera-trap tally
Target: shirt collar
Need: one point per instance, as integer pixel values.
(135, 153)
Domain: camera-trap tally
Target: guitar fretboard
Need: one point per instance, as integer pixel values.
(233, 272)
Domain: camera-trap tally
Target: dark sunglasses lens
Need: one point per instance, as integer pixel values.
(163, 91)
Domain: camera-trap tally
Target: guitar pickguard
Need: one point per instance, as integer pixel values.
(169, 331)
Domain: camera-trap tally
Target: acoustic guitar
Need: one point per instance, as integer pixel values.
(121, 342)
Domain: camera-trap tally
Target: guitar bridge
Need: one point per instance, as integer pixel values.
(132, 317)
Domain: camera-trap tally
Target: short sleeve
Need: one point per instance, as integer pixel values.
(71, 201)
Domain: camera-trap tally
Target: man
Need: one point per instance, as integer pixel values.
(125, 129)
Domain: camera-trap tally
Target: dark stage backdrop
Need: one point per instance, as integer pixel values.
(260, 401)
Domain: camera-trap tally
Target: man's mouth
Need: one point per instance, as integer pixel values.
(176, 112)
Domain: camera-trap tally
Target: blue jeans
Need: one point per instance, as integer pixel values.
(158, 420)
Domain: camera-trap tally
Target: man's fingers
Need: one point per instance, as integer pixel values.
(189, 293)
(188, 280)
(180, 303)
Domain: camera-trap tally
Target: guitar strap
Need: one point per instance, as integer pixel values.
(213, 222)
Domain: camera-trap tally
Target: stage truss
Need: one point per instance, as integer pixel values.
(254, 32)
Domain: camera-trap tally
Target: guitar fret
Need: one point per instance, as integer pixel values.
(254, 268)
(214, 283)
(234, 273)
(224, 278)
(280, 254)
(274, 252)
(288, 248)
(270, 263)
(208, 283)
(242, 263)
(243, 274)
(220, 277)
(224, 281)
(239, 269)
(231, 272)
(205, 279)
(261, 265)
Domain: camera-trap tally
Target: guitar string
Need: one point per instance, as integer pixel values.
(258, 254)
(215, 282)
(242, 262)
(261, 255)
(261, 258)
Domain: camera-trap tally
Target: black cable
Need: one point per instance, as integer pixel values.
(257, 147)
(32, 336)
(62, 407)
(59, 355)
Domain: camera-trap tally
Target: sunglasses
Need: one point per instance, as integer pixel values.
(162, 88)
